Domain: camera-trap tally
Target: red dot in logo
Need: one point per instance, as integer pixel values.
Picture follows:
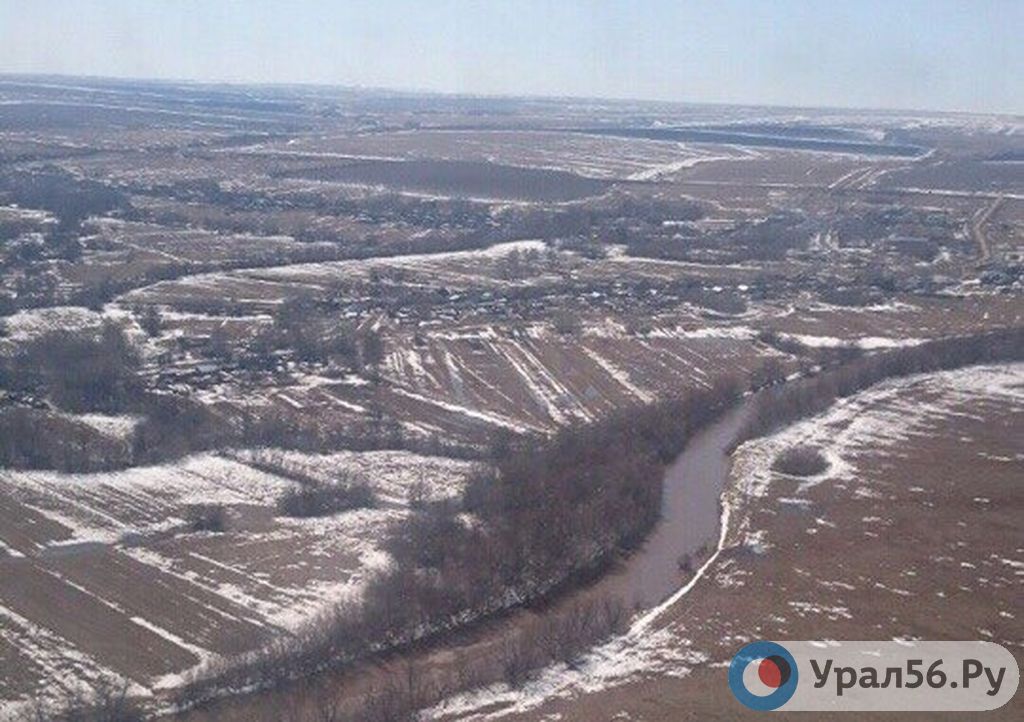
(769, 673)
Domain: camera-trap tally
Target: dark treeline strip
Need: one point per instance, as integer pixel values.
(700, 135)
(172, 426)
(80, 371)
(39, 439)
(401, 691)
(325, 499)
(413, 686)
(779, 407)
(93, 372)
(64, 372)
(546, 517)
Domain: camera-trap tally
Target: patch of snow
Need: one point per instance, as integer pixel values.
(33, 323)
(619, 661)
(868, 343)
(118, 427)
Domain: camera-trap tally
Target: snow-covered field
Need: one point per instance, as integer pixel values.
(153, 598)
(885, 416)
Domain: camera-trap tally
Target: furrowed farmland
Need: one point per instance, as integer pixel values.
(278, 365)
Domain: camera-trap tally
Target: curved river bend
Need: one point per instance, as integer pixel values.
(690, 515)
(687, 531)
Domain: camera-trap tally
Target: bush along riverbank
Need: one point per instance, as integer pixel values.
(782, 405)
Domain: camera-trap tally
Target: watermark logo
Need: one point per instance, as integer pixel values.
(891, 676)
(763, 675)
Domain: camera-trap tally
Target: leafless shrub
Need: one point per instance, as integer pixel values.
(614, 615)
(567, 323)
(770, 373)
(389, 704)
(517, 660)
(469, 674)
(207, 517)
(108, 701)
(771, 337)
(418, 494)
(638, 326)
(800, 461)
(324, 499)
(149, 320)
(566, 636)
(563, 636)
(326, 705)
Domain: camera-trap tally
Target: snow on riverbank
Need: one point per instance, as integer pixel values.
(878, 418)
(616, 662)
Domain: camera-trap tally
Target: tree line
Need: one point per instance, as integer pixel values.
(547, 516)
(93, 371)
(544, 517)
(785, 404)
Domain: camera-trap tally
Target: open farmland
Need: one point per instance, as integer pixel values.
(461, 178)
(154, 595)
(251, 337)
(887, 542)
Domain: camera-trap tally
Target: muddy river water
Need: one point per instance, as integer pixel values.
(690, 518)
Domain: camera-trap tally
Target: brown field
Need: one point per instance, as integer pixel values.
(900, 545)
(461, 178)
(520, 278)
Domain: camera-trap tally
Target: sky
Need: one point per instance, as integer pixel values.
(906, 54)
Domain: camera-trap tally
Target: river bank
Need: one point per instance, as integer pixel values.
(679, 544)
(910, 533)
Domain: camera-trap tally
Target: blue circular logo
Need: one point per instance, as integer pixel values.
(763, 676)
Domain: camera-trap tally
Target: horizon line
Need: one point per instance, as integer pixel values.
(492, 96)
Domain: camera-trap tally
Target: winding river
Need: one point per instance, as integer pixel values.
(690, 516)
(684, 537)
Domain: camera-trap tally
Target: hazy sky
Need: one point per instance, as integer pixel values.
(940, 54)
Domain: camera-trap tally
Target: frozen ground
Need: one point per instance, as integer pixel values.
(153, 598)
